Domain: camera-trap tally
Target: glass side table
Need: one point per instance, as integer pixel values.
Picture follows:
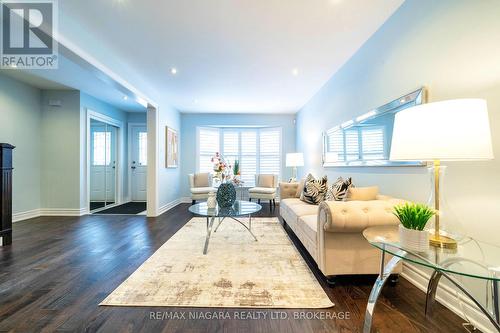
(238, 209)
(472, 259)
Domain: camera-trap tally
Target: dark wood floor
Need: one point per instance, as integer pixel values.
(58, 270)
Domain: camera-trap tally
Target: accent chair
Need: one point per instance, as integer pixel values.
(200, 186)
(265, 188)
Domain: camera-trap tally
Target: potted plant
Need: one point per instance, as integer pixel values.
(413, 218)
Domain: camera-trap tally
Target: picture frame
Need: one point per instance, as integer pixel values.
(171, 148)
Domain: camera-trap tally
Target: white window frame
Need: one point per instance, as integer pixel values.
(241, 129)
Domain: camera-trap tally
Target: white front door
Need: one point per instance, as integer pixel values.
(103, 163)
(139, 162)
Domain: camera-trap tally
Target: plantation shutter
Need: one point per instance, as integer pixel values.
(372, 143)
(351, 144)
(248, 161)
(208, 145)
(270, 151)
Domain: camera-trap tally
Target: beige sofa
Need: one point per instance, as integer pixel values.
(332, 231)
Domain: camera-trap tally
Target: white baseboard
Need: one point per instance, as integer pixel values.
(185, 200)
(447, 296)
(169, 206)
(31, 214)
(63, 211)
(48, 212)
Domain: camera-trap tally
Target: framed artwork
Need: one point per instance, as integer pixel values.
(172, 148)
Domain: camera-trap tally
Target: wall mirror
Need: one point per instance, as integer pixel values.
(366, 139)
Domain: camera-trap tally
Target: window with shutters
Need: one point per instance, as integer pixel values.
(372, 143)
(257, 149)
(357, 143)
(208, 145)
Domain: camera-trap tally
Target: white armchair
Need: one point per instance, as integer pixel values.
(265, 188)
(200, 185)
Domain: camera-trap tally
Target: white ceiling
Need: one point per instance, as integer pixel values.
(231, 55)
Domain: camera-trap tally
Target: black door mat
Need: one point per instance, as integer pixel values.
(130, 208)
(99, 204)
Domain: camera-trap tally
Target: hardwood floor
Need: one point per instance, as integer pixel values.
(59, 268)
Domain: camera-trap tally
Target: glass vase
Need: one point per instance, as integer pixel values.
(449, 223)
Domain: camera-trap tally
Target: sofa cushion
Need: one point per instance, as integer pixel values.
(266, 190)
(314, 190)
(201, 180)
(266, 181)
(303, 209)
(201, 190)
(309, 226)
(362, 193)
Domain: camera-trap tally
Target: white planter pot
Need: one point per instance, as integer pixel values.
(414, 239)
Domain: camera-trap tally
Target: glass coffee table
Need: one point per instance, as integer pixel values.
(238, 209)
(472, 258)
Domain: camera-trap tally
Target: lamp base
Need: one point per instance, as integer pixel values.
(443, 242)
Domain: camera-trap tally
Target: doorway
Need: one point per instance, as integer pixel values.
(138, 160)
(104, 167)
(103, 163)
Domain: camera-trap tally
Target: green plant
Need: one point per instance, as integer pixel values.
(413, 215)
(236, 169)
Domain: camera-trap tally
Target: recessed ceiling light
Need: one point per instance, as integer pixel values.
(195, 101)
(173, 70)
(295, 72)
(125, 98)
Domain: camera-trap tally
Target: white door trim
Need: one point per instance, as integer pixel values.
(153, 153)
(129, 152)
(119, 167)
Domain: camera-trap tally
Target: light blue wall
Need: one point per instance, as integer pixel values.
(60, 160)
(425, 43)
(137, 117)
(191, 121)
(20, 118)
(168, 179)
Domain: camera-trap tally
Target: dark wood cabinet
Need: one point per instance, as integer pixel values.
(6, 193)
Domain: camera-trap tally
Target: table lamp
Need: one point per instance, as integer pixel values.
(452, 130)
(294, 160)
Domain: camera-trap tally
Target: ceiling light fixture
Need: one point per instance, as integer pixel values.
(173, 70)
(295, 72)
(125, 98)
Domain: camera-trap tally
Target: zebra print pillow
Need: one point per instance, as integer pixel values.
(338, 190)
(314, 190)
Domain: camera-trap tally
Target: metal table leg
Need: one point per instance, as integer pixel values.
(385, 273)
(249, 229)
(431, 297)
(431, 292)
(496, 306)
(209, 232)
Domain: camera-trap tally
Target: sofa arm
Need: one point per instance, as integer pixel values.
(356, 216)
(288, 190)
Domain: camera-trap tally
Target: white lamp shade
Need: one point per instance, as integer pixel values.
(450, 130)
(295, 160)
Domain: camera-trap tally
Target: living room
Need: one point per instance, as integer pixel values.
(247, 166)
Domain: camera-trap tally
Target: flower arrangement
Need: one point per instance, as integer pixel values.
(220, 164)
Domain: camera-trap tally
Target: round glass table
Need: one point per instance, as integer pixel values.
(472, 258)
(238, 209)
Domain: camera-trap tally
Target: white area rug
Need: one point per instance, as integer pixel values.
(237, 271)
